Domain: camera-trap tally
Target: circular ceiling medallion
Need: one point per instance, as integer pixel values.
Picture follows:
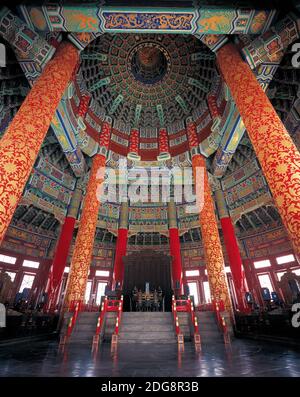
(149, 63)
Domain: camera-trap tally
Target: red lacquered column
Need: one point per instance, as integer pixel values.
(121, 247)
(62, 250)
(174, 242)
(232, 249)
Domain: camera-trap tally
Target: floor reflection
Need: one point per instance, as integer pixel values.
(241, 358)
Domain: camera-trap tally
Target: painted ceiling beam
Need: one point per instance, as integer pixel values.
(66, 137)
(269, 47)
(189, 20)
(30, 47)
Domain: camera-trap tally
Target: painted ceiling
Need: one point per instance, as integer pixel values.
(148, 80)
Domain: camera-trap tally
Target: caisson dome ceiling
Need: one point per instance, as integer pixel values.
(148, 80)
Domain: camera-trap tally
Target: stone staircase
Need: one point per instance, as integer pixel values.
(85, 328)
(144, 327)
(185, 325)
(109, 326)
(147, 327)
(208, 328)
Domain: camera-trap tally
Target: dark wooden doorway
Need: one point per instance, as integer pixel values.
(147, 266)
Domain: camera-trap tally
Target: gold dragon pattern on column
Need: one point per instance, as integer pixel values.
(82, 255)
(211, 241)
(275, 150)
(23, 138)
(213, 254)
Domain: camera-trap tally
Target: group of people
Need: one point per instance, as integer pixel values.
(147, 301)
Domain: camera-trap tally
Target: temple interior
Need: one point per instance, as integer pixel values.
(150, 189)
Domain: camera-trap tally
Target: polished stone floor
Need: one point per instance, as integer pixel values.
(243, 358)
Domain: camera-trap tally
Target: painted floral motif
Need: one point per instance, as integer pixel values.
(85, 37)
(105, 135)
(191, 132)
(163, 141)
(134, 141)
(22, 140)
(258, 22)
(84, 243)
(216, 23)
(277, 154)
(83, 104)
(213, 40)
(81, 21)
